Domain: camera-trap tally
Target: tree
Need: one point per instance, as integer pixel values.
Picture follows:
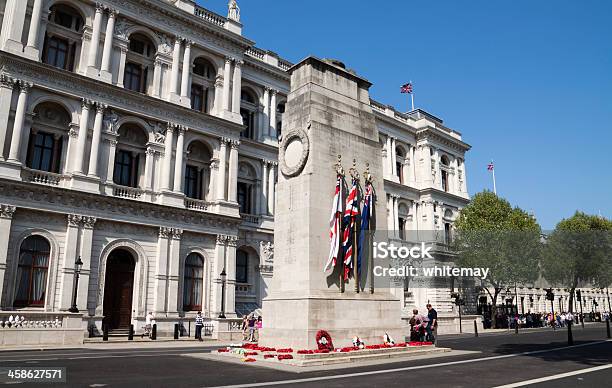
(492, 234)
(578, 252)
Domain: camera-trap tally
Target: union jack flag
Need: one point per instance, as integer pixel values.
(406, 88)
(351, 211)
(334, 226)
(490, 166)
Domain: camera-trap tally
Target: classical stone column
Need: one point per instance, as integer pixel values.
(174, 262)
(218, 266)
(86, 245)
(271, 185)
(393, 159)
(178, 164)
(413, 178)
(66, 268)
(96, 139)
(6, 218)
(12, 26)
(221, 181)
(105, 69)
(157, 77)
(265, 131)
(167, 168)
(217, 104)
(6, 95)
(185, 89)
(428, 178)
(233, 171)
(237, 86)
(230, 289)
(92, 56)
(437, 182)
(264, 188)
(161, 271)
(22, 102)
(174, 75)
(415, 220)
(122, 60)
(82, 139)
(272, 130)
(149, 159)
(110, 167)
(396, 215)
(227, 75)
(390, 214)
(212, 181)
(32, 48)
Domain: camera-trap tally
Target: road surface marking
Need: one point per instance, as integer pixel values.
(384, 371)
(555, 377)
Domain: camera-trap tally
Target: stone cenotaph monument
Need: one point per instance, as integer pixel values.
(327, 114)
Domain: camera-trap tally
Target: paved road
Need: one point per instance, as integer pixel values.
(502, 359)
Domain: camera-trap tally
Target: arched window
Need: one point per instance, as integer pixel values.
(197, 171)
(47, 137)
(444, 172)
(139, 60)
(193, 283)
(63, 37)
(32, 272)
(242, 266)
(203, 85)
(130, 155)
(248, 111)
(246, 188)
(280, 110)
(399, 164)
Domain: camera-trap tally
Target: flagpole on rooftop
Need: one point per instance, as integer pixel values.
(493, 171)
(412, 97)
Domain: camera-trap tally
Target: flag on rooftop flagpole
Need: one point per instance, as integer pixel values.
(351, 211)
(490, 166)
(335, 226)
(406, 88)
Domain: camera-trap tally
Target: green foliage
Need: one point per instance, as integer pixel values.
(578, 252)
(493, 234)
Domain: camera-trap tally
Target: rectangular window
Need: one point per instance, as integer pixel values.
(56, 53)
(444, 181)
(124, 167)
(248, 119)
(133, 79)
(198, 98)
(242, 266)
(43, 152)
(448, 235)
(244, 197)
(191, 182)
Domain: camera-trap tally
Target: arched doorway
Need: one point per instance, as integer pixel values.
(118, 289)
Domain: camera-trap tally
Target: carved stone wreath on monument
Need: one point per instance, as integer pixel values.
(294, 151)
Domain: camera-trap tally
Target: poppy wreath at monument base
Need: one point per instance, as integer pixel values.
(324, 341)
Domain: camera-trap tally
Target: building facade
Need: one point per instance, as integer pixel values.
(141, 136)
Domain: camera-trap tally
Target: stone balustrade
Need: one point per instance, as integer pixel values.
(244, 289)
(196, 204)
(19, 328)
(210, 16)
(41, 177)
(256, 53)
(250, 218)
(127, 192)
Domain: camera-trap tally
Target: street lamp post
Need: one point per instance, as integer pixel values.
(579, 296)
(78, 264)
(223, 279)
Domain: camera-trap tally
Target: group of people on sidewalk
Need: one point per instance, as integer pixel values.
(251, 324)
(422, 327)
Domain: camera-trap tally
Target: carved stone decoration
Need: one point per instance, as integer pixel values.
(110, 122)
(232, 241)
(233, 11)
(266, 250)
(294, 151)
(159, 133)
(121, 28)
(166, 44)
(221, 239)
(7, 211)
(74, 220)
(88, 222)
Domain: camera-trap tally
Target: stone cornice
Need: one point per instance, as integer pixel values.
(78, 86)
(159, 14)
(446, 197)
(65, 201)
(267, 68)
(430, 133)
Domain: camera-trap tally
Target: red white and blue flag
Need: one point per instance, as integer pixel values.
(366, 215)
(490, 166)
(335, 226)
(351, 211)
(406, 88)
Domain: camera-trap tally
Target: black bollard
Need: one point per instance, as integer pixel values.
(91, 331)
(176, 331)
(131, 333)
(516, 327)
(608, 327)
(154, 332)
(105, 333)
(475, 329)
(570, 336)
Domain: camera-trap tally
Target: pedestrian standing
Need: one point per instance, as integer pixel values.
(251, 324)
(199, 323)
(148, 325)
(258, 326)
(432, 323)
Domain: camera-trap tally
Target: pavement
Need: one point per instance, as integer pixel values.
(539, 358)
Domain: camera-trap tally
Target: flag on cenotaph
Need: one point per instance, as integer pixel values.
(335, 226)
(351, 211)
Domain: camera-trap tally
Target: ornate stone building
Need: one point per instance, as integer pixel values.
(141, 136)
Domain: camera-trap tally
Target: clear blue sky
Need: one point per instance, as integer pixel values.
(528, 83)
